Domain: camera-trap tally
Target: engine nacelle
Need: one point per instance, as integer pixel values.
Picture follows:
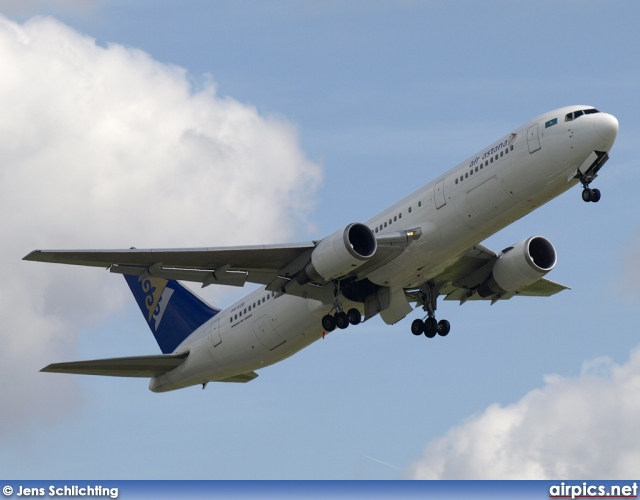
(339, 254)
(520, 265)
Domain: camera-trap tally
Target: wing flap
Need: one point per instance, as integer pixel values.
(133, 366)
(542, 288)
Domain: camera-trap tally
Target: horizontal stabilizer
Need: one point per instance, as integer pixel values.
(135, 366)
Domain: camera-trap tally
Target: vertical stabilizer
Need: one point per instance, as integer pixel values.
(171, 311)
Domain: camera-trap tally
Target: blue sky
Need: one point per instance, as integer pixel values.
(334, 110)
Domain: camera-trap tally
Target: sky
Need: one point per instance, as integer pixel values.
(181, 124)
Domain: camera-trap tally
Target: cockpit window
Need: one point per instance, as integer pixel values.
(576, 114)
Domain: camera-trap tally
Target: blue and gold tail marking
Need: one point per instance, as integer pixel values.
(171, 311)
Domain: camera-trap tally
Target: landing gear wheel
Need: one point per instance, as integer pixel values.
(342, 320)
(417, 327)
(592, 195)
(328, 323)
(354, 316)
(430, 327)
(443, 327)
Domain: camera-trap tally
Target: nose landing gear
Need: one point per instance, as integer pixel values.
(588, 194)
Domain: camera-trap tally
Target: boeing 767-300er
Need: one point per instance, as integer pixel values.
(423, 247)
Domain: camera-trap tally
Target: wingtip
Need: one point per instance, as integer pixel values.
(33, 255)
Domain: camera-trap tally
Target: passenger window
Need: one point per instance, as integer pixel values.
(456, 181)
(409, 209)
(395, 218)
(486, 163)
(400, 215)
(476, 169)
(419, 203)
(501, 154)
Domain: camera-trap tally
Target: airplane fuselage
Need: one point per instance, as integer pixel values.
(488, 191)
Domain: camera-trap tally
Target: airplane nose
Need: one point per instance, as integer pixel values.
(606, 126)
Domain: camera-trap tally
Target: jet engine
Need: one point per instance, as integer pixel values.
(519, 266)
(339, 254)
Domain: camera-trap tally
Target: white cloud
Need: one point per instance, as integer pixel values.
(572, 428)
(106, 147)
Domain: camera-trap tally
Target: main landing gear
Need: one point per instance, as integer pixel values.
(340, 319)
(430, 326)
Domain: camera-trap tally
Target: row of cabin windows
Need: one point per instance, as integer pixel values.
(486, 163)
(254, 305)
(395, 218)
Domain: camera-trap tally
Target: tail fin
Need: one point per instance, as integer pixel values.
(171, 311)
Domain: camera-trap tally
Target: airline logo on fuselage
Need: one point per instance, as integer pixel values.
(156, 299)
(490, 152)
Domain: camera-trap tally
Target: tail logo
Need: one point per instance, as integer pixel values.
(156, 300)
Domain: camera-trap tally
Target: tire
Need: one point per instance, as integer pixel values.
(328, 323)
(430, 327)
(342, 320)
(587, 195)
(595, 195)
(417, 327)
(354, 316)
(443, 327)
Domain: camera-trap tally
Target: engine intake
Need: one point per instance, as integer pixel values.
(519, 266)
(339, 254)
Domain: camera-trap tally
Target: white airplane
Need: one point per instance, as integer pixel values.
(423, 247)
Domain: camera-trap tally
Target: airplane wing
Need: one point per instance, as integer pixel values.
(460, 279)
(223, 265)
(135, 366)
(270, 265)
